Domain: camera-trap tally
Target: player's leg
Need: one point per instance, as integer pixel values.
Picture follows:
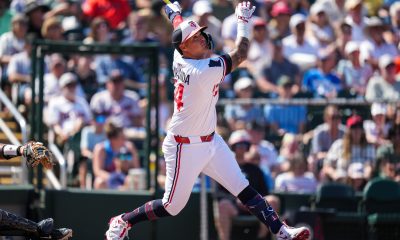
(235, 182)
(183, 165)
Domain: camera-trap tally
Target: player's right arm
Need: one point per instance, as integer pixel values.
(244, 12)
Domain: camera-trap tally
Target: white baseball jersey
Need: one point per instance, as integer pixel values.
(196, 93)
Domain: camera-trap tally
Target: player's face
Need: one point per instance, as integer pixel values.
(194, 47)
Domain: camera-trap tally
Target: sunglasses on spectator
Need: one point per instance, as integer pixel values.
(335, 117)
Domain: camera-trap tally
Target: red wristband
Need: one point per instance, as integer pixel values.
(177, 20)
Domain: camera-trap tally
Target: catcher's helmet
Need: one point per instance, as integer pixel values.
(184, 31)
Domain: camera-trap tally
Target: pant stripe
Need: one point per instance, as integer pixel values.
(176, 176)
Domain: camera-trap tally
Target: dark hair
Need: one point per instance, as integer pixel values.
(112, 129)
(394, 131)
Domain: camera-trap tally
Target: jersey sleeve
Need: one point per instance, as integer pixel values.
(214, 70)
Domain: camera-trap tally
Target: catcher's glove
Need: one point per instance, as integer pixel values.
(35, 153)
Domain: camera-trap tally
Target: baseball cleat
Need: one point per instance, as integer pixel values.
(291, 233)
(118, 229)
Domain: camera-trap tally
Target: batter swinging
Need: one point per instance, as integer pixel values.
(191, 145)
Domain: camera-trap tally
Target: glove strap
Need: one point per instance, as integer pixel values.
(10, 151)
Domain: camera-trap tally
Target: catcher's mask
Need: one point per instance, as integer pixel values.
(186, 30)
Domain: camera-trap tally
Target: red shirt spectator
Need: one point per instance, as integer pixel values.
(114, 11)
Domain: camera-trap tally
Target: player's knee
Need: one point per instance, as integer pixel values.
(174, 209)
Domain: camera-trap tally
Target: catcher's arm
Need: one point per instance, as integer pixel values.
(34, 153)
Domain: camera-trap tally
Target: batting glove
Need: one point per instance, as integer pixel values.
(172, 10)
(244, 11)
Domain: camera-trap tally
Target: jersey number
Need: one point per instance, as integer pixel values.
(178, 96)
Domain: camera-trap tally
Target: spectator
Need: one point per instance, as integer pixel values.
(395, 23)
(355, 17)
(335, 9)
(353, 147)
(285, 118)
(290, 146)
(280, 66)
(323, 137)
(139, 28)
(69, 112)
(114, 12)
(297, 179)
(229, 207)
(99, 31)
(203, 15)
(86, 76)
(239, 115)
(52, 29)
(387, 162)
(35, 11)
(222, 9)
(384, 86)
(354, 74)
(117, 102)
(296, 47)
(12, 42)
(261, 49)
(107, 164)
(323, 81)
(343, 36)
(356, 176)
(91, 135)
(5, 16)
(377, 129)
(281, 13)
(321, 28)
(376, 46)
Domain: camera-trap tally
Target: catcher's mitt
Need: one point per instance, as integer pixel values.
(35, 153)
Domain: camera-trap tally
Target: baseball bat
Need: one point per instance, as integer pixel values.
(167, 1)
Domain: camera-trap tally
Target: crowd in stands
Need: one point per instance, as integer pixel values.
(95, 105)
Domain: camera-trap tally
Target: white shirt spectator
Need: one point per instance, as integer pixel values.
(52, 88)
(370, 49)
(291, 49)
(357, 30)
(335, 14)
(19, 63)
(287, 182)
(10, 45)
(379, 89)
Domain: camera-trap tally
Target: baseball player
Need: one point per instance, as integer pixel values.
(13, 225)
(191, 145)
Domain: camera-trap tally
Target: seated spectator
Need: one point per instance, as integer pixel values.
(35, 11)
(343, 36)
(229, 206)
(285, 118)
(239, 115)
(355, 17)
(139, 28)
(114, 12)
(86, 76)
(387, 162)
(12, 42)
(377, 129)
(323, 137)
(268, 78)
(68, 113)
(353, 147)
(356, 176)
(323, 81)
(375, 46)
(260, 50)
(52, 29)
(297, 179)
(290, 146)
(91, 135)
(108, 165)
(354, 74)
(320, 26)
(297, 48)
(334, 10)
(384, 85)
(99, 31)
(280, 13)
(117, 102)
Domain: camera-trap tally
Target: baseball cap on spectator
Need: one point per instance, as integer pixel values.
(354, 121)
(284, 81)
(202, 7)
(100, 118)
(19, 18)
(386, 152)
(184, 31)
(67, 79)
(378, 109)
(374, 22)
(385, 61)
(259, 22)
(317, 8)
(351, 4)
(296, 19)
(115, 76)
(356, 170)
(32, 5)
(56, 59)
(239, 136)
(242, 83)
(279, 8)
(351, 47)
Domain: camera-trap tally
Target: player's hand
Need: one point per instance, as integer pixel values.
(244, 11)
(172, 10)
(36, 153)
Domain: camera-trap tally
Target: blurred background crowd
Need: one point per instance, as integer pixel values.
(324, 49)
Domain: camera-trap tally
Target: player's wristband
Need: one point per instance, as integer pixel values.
(177, 20)
(10, 151)
(243, 29)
